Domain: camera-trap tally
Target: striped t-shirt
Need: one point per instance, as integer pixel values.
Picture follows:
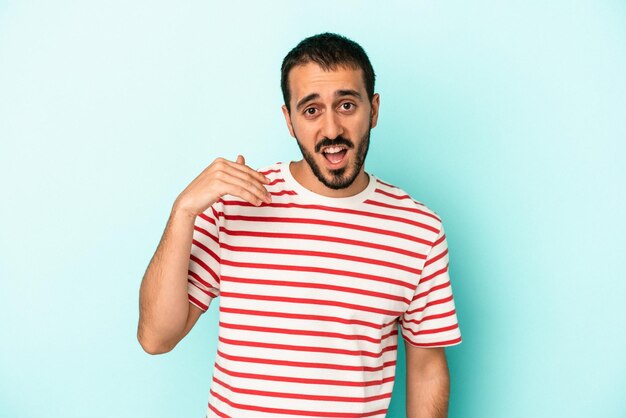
(313, 290)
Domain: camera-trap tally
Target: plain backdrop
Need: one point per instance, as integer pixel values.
(506, 118)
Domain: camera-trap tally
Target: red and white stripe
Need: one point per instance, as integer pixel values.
(312, 295)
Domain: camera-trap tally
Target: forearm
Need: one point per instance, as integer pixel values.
(427, 382)
(428, 397)
(163, 302)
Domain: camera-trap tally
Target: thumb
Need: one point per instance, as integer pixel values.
(240, 159)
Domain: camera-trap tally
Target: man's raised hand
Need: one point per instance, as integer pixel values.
(219, 178)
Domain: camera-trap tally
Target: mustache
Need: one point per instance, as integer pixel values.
(327, 142)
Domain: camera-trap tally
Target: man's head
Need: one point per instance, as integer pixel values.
(329, 51)
(328, 86)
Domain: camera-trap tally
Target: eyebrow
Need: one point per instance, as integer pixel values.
(338, 93)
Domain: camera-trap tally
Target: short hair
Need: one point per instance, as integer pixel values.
(329, 51)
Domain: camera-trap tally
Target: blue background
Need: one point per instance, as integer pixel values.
(507, 118)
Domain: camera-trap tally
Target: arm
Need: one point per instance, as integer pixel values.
(427, 382)
(165, 313)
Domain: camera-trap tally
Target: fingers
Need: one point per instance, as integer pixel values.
(240, 165)
(242, 181)
(247, 190)
(225, 177)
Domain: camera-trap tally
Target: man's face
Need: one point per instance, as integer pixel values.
(331, 118)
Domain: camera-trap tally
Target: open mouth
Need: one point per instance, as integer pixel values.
(335, 155)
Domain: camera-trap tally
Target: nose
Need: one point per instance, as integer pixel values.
(331, 126)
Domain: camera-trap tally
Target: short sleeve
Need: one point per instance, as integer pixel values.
(430, 320)
(203, 275)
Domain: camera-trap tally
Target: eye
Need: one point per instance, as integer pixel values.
(347, 106)
(310, 111)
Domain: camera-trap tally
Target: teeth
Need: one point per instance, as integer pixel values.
(333, 150)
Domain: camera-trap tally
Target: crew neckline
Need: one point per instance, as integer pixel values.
(304, 193)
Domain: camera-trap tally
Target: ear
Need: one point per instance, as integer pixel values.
(288, 120)
(375, 106)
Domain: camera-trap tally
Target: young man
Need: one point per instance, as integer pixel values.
(317, 263)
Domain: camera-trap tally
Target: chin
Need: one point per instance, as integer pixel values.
(338, 179)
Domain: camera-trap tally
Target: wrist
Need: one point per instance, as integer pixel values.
(180, 211)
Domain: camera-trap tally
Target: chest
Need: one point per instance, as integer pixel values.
(309, 261)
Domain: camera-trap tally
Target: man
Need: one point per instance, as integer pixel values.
(317, 263)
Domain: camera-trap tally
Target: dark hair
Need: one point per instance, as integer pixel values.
(328, 50)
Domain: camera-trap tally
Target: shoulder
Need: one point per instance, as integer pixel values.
(270, 170)
(399, 201)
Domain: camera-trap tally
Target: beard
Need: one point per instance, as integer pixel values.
(343, 177)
